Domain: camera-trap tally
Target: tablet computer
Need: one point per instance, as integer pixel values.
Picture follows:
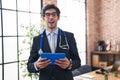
(52, 56)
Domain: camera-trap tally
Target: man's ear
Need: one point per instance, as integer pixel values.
(59, 17)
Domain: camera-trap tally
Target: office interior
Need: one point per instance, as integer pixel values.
(91, 21)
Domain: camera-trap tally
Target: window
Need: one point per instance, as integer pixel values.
(1, 72)
(0, 50)
(14, 13)
(73, 19)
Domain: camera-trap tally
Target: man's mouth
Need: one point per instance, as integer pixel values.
(51, 22)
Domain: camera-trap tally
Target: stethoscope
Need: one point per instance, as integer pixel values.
(62, 46)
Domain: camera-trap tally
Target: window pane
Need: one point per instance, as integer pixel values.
(83, 57)
(79, 0)
(0, 50)
(81, 42)
(0, 72)
(9, 22)
(23, 5)
(35, 6)
(23, 71)
(0, 3)
(82, 0)
(76, 12)
(24, 22)
(0, 23)
(61, 21)
(81, 11)
(24, 48)
(11, 71)
(63, 7)
(10, 49)
(9, 4)
(35, 19)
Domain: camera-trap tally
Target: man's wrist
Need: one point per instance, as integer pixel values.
(70, 65)
(36, 66)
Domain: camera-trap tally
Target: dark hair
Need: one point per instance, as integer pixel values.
(50, 6)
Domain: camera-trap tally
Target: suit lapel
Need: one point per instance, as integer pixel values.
(58, 40)
(46, 47)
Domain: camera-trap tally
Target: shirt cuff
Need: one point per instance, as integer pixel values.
(36, 67)
(70, 66)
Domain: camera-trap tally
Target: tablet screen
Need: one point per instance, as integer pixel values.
(52, 56)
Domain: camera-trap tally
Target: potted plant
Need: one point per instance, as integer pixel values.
(31, 32)
(105, 75)
(116, 73)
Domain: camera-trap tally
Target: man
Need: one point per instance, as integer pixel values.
(64, 43)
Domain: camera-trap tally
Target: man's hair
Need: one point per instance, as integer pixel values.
(50, 6)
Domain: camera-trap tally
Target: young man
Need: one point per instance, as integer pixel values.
(64, 42)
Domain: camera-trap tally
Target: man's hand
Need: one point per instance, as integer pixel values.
(42, 63)
(63, 63)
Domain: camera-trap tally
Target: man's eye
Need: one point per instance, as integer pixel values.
(47, 14)
(54, 14)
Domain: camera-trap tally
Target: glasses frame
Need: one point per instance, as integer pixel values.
(53, 14)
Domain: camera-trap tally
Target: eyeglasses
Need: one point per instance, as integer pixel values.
(54, 14)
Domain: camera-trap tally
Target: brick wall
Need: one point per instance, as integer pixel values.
(45, 2)
(103, 23)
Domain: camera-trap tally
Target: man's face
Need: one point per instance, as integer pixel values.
(51, 18)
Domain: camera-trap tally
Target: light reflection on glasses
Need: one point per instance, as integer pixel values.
(54, 14)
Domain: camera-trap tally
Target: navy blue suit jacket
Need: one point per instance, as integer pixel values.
(54, 72)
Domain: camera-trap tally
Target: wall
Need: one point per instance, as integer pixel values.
(45, 2)
(103, 18)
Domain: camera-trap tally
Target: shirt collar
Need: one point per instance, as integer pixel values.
(55, 31)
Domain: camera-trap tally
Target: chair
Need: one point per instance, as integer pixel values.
(81, 70)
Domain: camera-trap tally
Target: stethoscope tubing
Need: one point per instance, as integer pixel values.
(61, 46)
